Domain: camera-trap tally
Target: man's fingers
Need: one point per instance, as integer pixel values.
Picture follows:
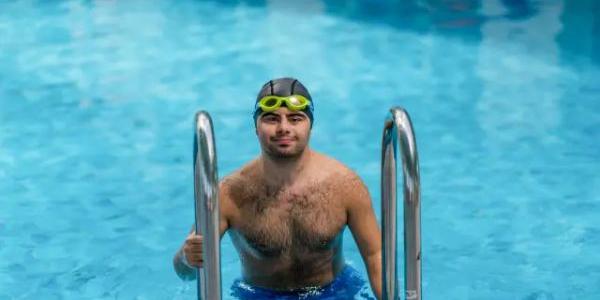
(194, 243)
(192, 249)
(193, 234)
(194, 239)
(195, 260)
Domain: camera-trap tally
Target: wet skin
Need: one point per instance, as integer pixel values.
(289, 237)
(286, 211)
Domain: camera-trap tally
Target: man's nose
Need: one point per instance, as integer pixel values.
(283, 126)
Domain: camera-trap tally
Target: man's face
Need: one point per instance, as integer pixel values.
(283, 133)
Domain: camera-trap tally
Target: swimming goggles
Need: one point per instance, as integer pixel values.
(293, 102)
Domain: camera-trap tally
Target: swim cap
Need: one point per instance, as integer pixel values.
(284, 87)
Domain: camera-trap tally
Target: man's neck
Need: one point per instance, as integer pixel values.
(281, 172)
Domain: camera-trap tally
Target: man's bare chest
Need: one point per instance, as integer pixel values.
(292, 221)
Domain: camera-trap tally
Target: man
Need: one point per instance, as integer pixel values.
(286, 210)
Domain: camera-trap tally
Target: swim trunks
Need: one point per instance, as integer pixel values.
(347, 285)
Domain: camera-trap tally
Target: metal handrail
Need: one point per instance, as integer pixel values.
(398, 131)
(206, 207)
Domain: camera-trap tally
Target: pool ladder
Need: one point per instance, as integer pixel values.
(397, 131)
(206, 206)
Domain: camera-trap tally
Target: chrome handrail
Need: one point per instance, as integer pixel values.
(206, 207)
(398, 131)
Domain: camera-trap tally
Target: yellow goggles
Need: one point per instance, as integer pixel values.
(293, 102)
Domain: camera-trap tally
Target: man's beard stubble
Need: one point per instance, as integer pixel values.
(288, 154)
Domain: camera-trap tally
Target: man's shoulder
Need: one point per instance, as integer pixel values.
(241, 182)
(333, 166)
(246, 172)
(344, 181)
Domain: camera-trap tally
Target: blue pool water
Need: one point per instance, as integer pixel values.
(97, 101)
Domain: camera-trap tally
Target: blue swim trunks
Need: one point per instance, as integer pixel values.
(347, 285)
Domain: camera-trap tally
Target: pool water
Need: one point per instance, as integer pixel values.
(97, 100)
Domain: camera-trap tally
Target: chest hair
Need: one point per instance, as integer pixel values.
(277, 222)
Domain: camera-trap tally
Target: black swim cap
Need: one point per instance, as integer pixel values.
(284, 87)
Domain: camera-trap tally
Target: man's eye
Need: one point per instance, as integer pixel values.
(295, 119)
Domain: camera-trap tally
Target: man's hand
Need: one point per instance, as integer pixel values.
(192, 251)
(189, 256)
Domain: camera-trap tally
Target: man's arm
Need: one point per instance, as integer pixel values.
(363, 225)
(181, 263)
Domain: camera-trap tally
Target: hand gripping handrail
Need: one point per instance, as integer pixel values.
(398, 131)
(207, 207)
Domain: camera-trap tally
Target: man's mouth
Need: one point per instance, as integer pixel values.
(283, 141)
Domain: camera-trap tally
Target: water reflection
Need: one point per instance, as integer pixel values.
(518, 62)
(580, 37)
